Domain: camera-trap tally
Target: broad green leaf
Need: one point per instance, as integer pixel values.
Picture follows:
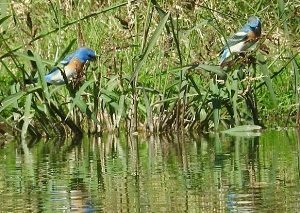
(27, 115)
(266, 77)
(41, 74)
(195, 86)
(14, 98)
(120, 110)
(78, 97)
(83, 107)
(110, 94)
(149, 47)
(11, 100)
(113, 83)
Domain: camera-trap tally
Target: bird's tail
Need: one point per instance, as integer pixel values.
(31, 80)
(225, 53)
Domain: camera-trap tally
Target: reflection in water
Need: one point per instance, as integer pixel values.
(177, 173)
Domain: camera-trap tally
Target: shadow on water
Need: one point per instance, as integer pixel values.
(165, 173)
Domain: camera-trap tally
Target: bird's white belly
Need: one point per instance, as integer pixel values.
(237, 47)
(57, 77)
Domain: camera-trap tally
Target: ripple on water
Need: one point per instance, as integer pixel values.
(213, 174)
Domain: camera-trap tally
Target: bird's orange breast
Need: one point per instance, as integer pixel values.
(75, 65)
(251, 35)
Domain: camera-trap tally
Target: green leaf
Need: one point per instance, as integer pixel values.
(3, 19)
(14, 98)
(194, 84)
(11, 100)
(41, 74)
(266, 77)
(149, 47)
(78, 97)
(83, 107)
(66, 51)
(120, 110)
(9, 53)
(210, 68)
(27, 116)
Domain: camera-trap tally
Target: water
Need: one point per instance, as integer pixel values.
(215, 173)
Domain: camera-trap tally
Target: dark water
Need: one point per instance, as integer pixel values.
(216, 173)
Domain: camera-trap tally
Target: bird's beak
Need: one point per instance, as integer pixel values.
(96, 56)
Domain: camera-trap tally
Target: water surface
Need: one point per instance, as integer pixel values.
(174, 173)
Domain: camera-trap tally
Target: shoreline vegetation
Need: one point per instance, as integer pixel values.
(158, 67)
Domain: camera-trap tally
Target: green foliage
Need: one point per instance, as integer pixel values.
(158, 67)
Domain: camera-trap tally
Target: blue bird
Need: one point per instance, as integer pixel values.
(73, 66)
(243, 39)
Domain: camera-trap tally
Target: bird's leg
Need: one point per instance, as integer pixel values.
(63, 73)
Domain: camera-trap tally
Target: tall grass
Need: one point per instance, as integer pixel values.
(158, 69)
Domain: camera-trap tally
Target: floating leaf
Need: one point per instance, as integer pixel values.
(244, 128)
(244, 134)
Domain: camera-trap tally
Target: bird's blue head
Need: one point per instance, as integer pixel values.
(254, 22)
(85, 54)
